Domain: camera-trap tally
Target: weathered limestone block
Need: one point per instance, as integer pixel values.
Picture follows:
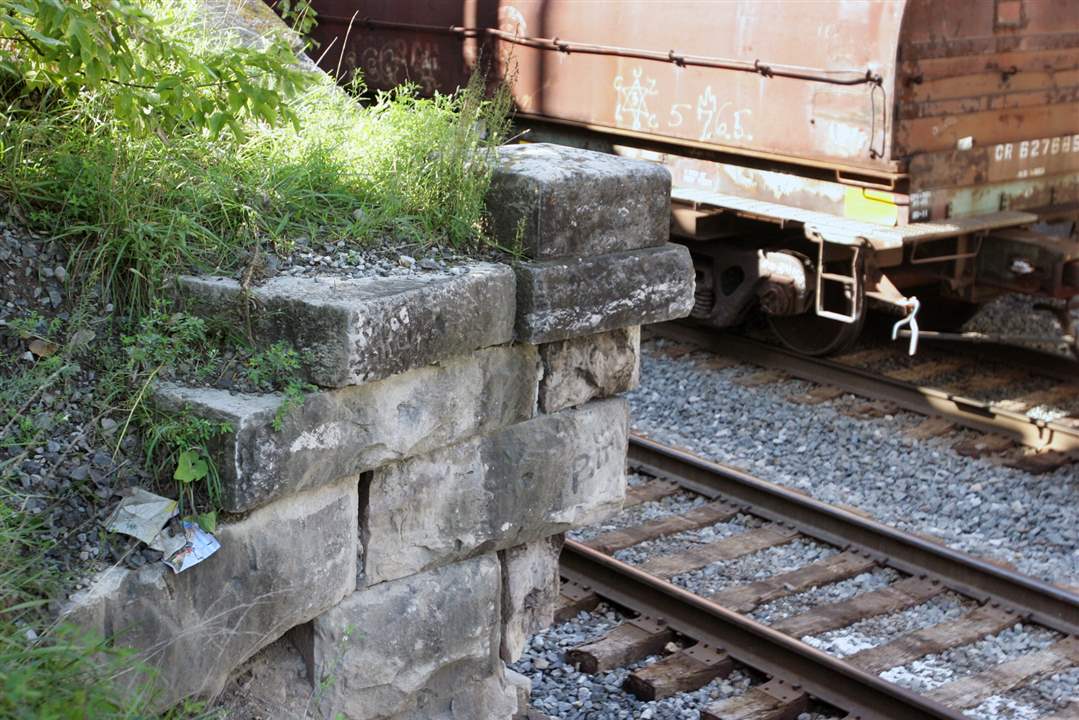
(496, 698)
(594, 366)
(280, 566)
(556, 201)
(399, 646)
(560, 299)
(354, 429)
(530, 588)
(353, 331)
(523, 483)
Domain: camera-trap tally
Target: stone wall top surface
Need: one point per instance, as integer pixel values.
(556, 201)
(357, 330)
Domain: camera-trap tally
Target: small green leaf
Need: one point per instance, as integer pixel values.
(190, 467)
(208, 521)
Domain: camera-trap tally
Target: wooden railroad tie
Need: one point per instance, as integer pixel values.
(625, 643)
(924, 371)
(973, 626)
(684, 671)
(744, 598)
(982, 445)
(931, 427)
(729, 548)
(699, 517)
(1039, 463)
(898, 596)
(871, 356)
(974, 689)
(574, 599)
(649, 491)
(817, 395)
(774, 700)
(763, 377)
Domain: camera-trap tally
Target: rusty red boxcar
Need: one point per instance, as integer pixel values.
(826, 155)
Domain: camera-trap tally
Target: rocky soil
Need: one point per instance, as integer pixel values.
(66, 455)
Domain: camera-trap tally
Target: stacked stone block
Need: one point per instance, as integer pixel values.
(403, 524)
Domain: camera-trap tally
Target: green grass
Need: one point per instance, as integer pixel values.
(134, 209)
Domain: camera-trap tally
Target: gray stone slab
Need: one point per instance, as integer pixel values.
(356, 330)
(560, 299)
(354, 429)
(495, 698)
(392, 649)
(556, 201)
(527, 482)
(530, 593)
(594, 366)
(279, 566)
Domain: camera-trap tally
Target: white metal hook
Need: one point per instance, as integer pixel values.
(911, 320)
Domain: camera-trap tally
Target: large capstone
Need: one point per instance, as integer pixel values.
(537, 478)
(356, 330)
(555, 201)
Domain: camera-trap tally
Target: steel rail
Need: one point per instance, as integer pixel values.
(1033, 432)
(1047, 604)
(861, 694)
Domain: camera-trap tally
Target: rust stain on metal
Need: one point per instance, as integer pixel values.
(918, 95)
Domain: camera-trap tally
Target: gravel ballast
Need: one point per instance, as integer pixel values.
(562, 692)
(744, 570)
(932, 671)
(878, 630)
(974, 505)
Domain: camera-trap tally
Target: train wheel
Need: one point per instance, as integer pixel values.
(812, 335)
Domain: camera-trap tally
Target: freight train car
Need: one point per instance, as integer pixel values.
(827, 156)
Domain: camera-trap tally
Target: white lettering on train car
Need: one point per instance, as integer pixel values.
(631, 104)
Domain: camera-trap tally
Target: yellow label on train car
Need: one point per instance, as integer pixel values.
(875, 206)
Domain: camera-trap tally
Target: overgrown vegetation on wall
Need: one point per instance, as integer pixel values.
(147, 147)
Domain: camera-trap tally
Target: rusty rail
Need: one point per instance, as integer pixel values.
(859, 693)
(1033, 432)
(1046, 604)
(767, 70)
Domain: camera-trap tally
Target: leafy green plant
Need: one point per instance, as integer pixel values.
(182, 441)
(151, 71)
(165, 338)
(277, 364)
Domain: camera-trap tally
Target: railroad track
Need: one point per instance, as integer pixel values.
(716, 631)
(912, 388)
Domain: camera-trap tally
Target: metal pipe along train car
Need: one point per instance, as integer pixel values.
(827, 156)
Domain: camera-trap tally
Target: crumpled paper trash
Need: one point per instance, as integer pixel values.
(187, 548)
(144, 516)
(141, 515)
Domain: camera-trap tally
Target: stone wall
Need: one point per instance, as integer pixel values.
(402, 525)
